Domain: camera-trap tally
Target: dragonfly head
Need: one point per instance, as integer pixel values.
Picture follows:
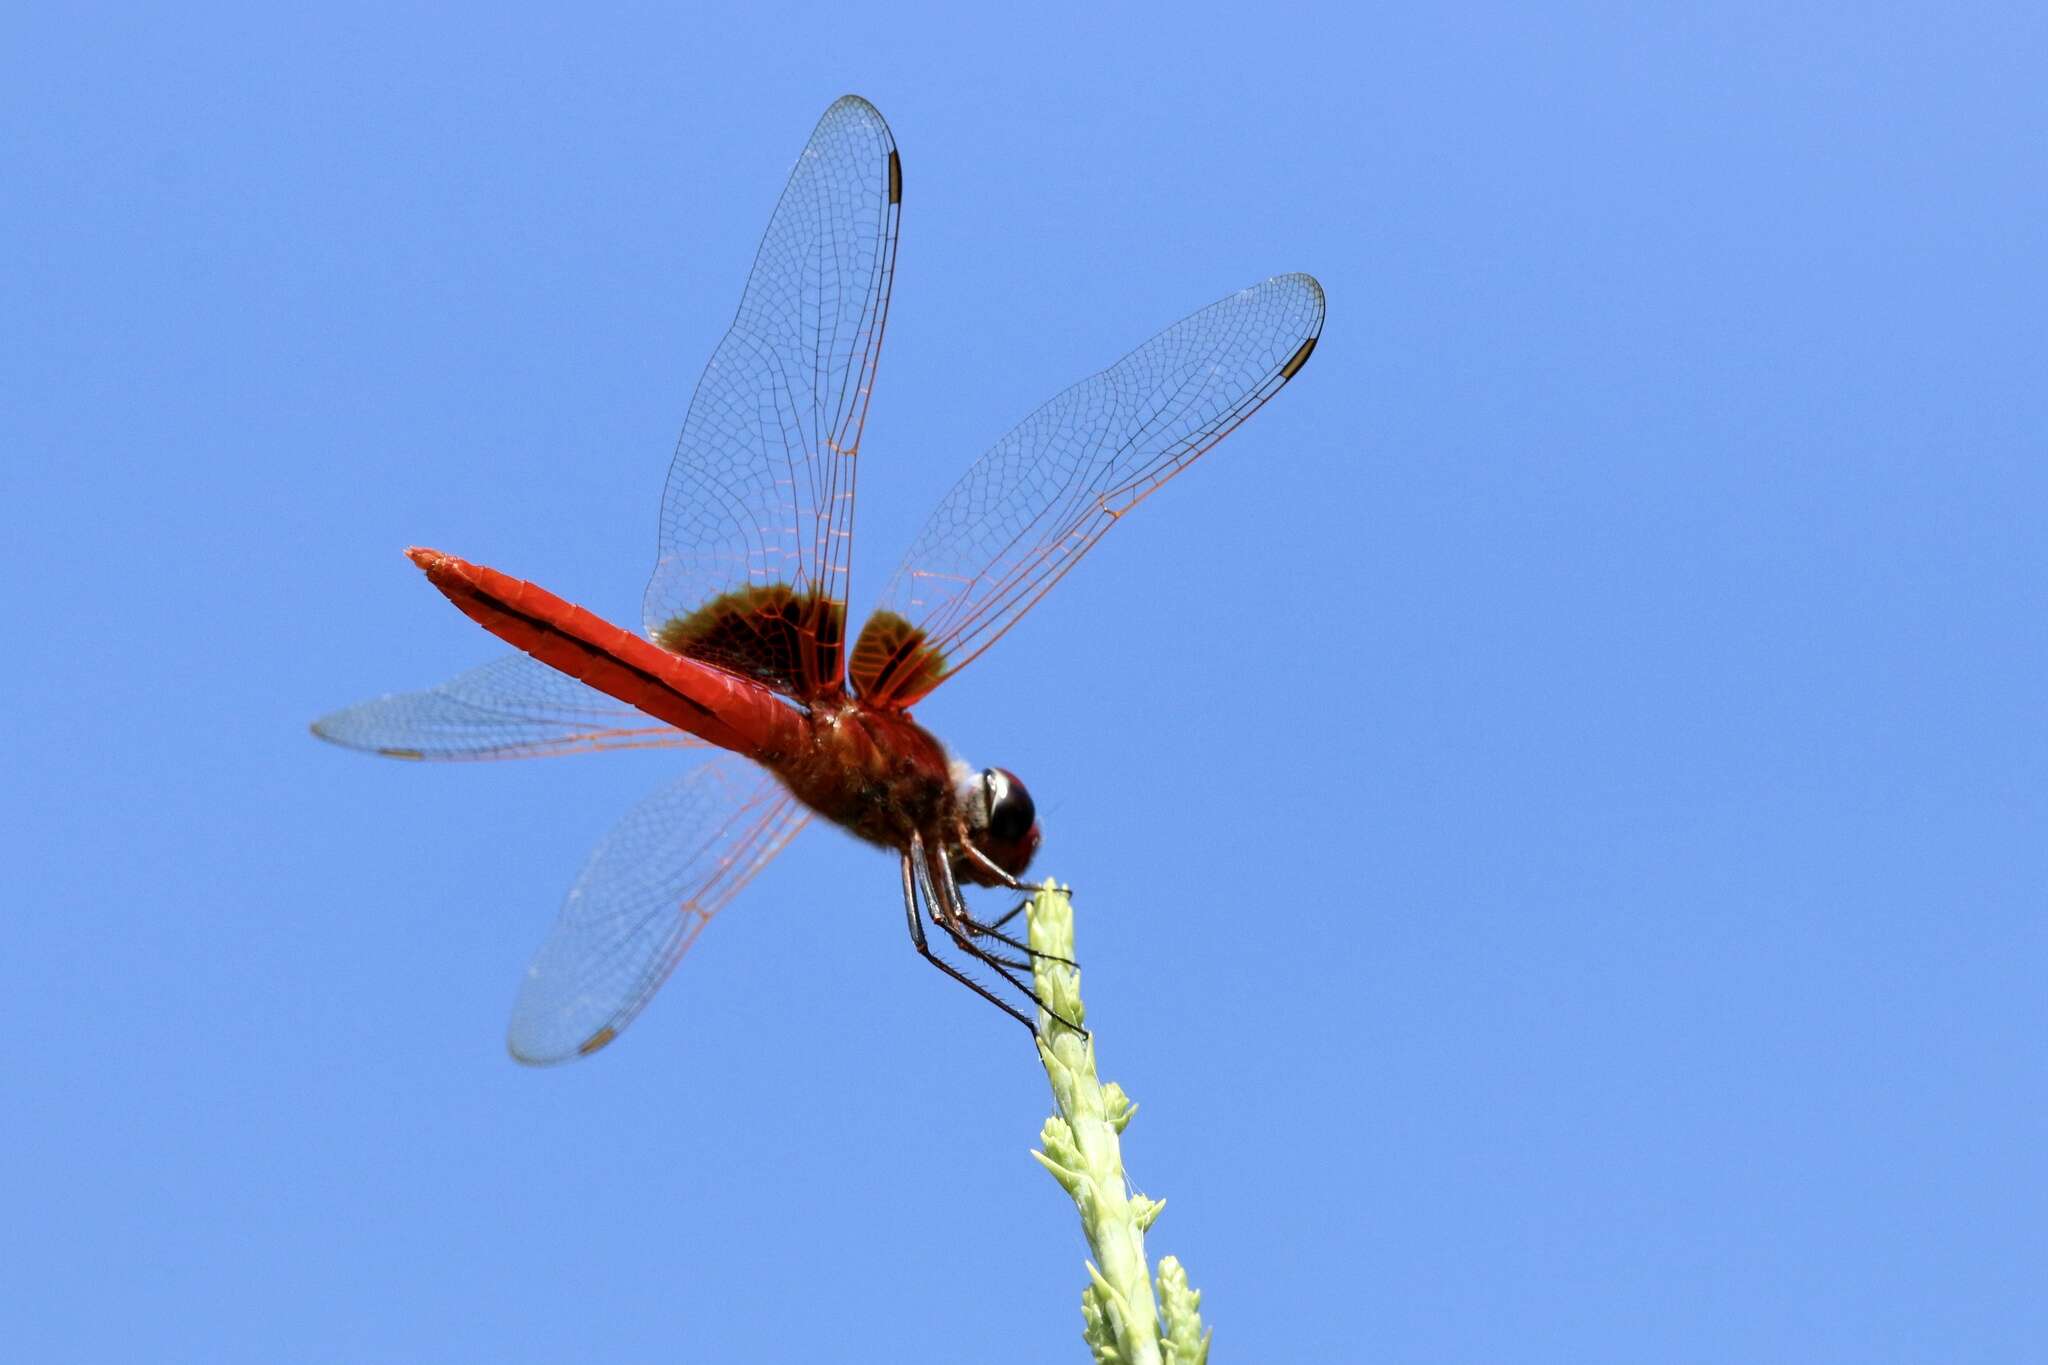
(1001, 819)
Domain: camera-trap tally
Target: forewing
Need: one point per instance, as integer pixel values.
(760, 497)
(645, 894)
(1028, 510)
(514, 707)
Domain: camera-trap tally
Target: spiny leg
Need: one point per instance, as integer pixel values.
(1012, 913)
(994, 931)
(954, 918)
(980, 930)
(919, 879)
(949, 912)
(999, 966)
(958, 922)
(1002, 877)
(989, 930)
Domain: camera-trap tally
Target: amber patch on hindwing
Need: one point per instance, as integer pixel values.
(892, 665)
(789, 640)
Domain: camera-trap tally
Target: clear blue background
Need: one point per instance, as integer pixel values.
(1558, 798)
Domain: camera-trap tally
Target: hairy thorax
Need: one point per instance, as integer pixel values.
(877, 773)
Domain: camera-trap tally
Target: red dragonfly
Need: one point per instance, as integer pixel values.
(745, 648)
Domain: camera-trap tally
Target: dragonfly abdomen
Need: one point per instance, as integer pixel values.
(718, 707)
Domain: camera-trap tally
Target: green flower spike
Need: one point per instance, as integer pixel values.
(1121, 1321)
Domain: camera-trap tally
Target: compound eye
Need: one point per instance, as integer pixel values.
(1010, 812)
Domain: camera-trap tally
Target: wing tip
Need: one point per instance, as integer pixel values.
(325, 730)
(514, 1050)
(863, 108)
(1313, 288)
(527, 1055)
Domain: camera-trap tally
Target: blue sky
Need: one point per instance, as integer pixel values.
(1557, 798)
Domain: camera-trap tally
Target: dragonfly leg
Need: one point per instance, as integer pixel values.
(960, 924)
(916, 879)
(1002, 878)
(1019, 908)
(980, 930)
(994, 929)
(950, 913)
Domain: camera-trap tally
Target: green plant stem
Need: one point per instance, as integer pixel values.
(1082, 1151)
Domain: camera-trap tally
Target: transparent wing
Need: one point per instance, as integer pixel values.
(514, 707)
(761, 492)
(645, 894)
(1028, 510)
